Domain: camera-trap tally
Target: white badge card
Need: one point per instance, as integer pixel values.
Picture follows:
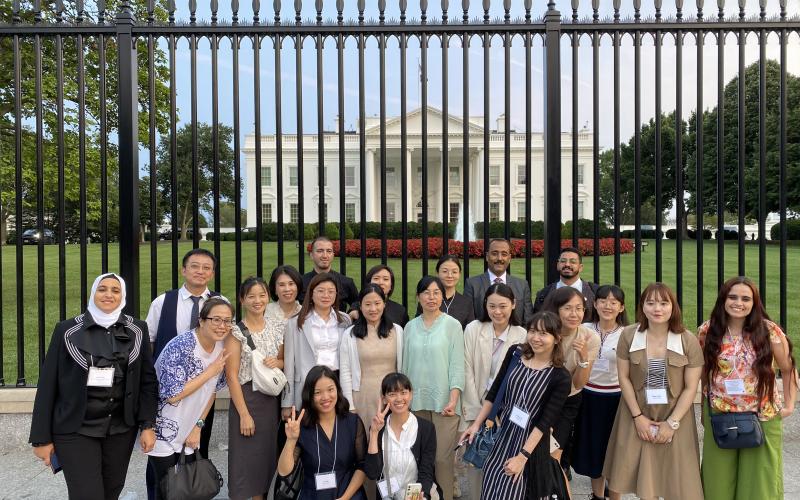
(601, 364)
(657, 396)
(325, 481)
(519, 416)
(735, 387)
(100, 377)
(388, 488)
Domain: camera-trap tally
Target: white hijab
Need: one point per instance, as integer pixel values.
(101, 318)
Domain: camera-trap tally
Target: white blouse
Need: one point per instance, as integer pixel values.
(398, 460)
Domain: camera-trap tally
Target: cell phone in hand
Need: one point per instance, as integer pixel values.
(55, 464)
(414, 491)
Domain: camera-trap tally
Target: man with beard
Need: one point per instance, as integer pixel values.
(498, 258)
(322, 256)
(569, 266)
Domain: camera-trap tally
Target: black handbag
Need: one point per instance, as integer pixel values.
(198, 480)
(482, 442)
(735, 430)
(288, 487)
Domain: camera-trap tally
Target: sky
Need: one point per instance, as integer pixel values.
(496, 67)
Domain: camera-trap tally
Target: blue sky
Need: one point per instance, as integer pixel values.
(496, 67)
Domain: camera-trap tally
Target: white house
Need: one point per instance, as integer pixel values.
(330, 196)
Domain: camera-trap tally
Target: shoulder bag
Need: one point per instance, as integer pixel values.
(266, 380)
(735, 430)
(288, 487)
(483, 441)
(198, 480)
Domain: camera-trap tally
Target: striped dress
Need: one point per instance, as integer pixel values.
(525, 389)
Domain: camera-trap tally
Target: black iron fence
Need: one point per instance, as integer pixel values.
(89, 104)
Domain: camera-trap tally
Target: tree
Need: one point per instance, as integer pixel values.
(205, 171)
(752, 145)
(50, 122)
(227, 214)
(647, 173)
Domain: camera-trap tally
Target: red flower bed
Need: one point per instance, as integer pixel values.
(414, 249)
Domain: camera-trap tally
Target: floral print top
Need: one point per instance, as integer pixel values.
(736, 360)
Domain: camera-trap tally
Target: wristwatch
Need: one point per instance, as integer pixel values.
(673, 423)
(200, 423)
(583, 364)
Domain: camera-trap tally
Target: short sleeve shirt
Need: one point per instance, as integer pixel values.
(571, 357)
(735, 361)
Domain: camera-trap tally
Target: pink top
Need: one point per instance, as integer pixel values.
(736, 358)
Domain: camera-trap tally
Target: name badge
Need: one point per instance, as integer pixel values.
(388, 488)
(735, 387)
(519, 416)
(657, 396)
(601, 364)
(325, 481)
(100, 377)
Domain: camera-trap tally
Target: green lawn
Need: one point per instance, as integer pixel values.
(227, 268)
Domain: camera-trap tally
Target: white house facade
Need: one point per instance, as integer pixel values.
(456, 164)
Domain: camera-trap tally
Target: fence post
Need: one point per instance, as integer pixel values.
(128, 157)
(552, 141)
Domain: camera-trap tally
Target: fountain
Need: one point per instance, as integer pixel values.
(459, 234)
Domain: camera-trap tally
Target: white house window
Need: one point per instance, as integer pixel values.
(292, 176)
(294, 214)
(522, 175)
(580, 210)
(494, 175)
(494, 211)
(455, 176)
(266, 212)
(454, 212)
(350, 176)
(521, 211)
(266, 176)
(580, 173)
(391, 179)
(349, 212)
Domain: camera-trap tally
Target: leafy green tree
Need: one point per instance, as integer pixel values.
(50, 122)
(647, 173)
(752, 137)
(205, 171)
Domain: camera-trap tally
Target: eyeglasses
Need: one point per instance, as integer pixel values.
(432, 293)
(216, 321)
(572, 309)
(608, 302)
(568, 261)
(194, 266)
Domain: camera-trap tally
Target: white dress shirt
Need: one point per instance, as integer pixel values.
(578, 285)
(183, 315)
(492, 277)
(399, 462)
(326, 339)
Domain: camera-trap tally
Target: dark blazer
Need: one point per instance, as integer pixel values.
(475, 290)
(60, 404)
(347, 293)
(588, 290)
(424, 451)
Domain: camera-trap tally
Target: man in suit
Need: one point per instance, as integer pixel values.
(178, 311)
(322, 256)
(569, 266)
(498, 258)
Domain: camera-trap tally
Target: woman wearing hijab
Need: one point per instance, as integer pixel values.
(97, 390)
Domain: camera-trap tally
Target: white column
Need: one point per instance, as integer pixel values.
(370, 188)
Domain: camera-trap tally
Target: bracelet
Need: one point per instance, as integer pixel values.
(524, 453)
(637, 416)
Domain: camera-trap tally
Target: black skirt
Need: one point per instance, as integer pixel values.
(592, 431)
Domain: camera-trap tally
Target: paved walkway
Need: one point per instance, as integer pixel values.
(24, 477)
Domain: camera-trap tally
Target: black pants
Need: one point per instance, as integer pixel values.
(205, 437)
(159, 466)
(95, 468)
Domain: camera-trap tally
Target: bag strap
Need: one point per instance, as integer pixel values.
(247, 335)
(501, 392)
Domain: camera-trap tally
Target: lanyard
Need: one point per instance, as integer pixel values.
(335, 444)
(448, 304)
(498, 341)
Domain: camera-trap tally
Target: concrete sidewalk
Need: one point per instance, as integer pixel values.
(24, 477)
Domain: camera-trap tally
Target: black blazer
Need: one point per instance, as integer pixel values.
(60, 404)
(588, 290)
(424, 451)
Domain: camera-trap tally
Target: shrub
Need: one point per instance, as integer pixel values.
(792, 230)
(692, 234)
(728, 234)
(585, 229)
(647, 234)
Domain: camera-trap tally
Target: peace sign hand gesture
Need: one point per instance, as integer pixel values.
(379, 420)
(293, 425)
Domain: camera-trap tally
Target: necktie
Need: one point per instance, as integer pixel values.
(194, 320)
(498, 280)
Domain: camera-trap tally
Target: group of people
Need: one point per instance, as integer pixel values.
(374, 401)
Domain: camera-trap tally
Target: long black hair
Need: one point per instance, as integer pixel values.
(385, 326)
(311, 416)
